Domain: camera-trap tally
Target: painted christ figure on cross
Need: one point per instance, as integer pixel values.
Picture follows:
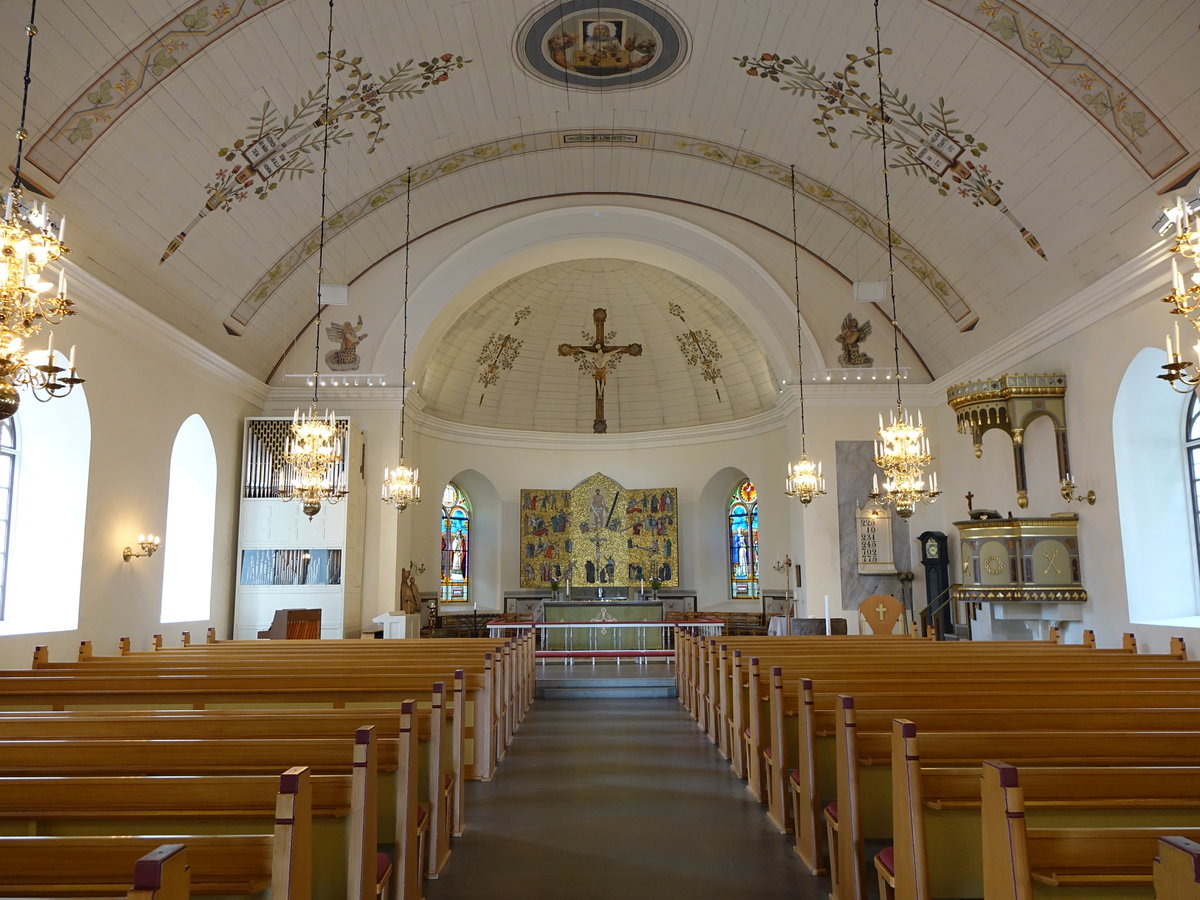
(597, 358)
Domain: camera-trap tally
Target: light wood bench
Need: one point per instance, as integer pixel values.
(162, 874)
(343, 808)
(243, 865)
(399, 820)
(1177, 869)
(1016, 857)
(862, 808)
(813, 776)
(507, 679)
(936, 811)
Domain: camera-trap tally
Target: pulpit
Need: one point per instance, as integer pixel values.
(1024, 573)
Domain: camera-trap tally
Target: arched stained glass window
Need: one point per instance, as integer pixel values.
(8, 472)
(743, 542)
(456, 542)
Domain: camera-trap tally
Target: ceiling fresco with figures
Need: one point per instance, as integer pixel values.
(1031, 145)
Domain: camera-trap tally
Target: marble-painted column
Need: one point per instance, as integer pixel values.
(855, 464)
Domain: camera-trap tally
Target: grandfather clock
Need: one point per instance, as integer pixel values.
(934, 548)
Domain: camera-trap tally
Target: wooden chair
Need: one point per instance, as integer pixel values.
(881, 612)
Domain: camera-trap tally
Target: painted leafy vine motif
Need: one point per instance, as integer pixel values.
(699, 349)
(499, 353)
(279, 146)
(935, 146)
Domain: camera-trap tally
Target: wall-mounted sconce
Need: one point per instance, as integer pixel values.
(1067, 489)
(148, 542)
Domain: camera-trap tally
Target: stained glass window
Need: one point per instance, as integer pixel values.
(456, 527)
(743, 542)
(8, 471)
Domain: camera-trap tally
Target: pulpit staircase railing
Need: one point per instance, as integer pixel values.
(932, 617)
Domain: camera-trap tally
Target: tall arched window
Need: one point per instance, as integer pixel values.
(743, 542)
(1191, 436)
(191, 524)
(456, 544)
(49, 497)
(1154, 430)
(8, 472)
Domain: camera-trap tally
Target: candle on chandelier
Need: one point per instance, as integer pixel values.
(62, 282)
(874, 484)
(1169, 357)
(50, 350)
(1178, 346)
(62, 229)
(71, 363)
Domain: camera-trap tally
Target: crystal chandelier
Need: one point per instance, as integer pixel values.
(804, 478)
(29, 241)
(401, 485)
(1184, 299)
(315, 443)
(902, 450)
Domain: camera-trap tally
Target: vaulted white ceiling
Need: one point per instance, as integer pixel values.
(1075, 112)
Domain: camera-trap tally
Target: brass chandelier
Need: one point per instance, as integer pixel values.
(804, 478)
(902, 451)
(29, 241)
(314, 448)
(401, 485)
(1184, 299)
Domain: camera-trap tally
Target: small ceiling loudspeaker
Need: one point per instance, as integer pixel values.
(870, 291)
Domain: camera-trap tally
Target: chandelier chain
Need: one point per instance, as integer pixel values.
(799, 336)
(324, 199)
(31, 32)
(404, 339)
(887, 203)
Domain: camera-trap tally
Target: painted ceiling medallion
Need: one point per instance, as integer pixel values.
(598, 46)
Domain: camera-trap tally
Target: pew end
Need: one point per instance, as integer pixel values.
(1179, 648)
(1177, 869)
(162, 874)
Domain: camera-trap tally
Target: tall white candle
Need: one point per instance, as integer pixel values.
(827, 614)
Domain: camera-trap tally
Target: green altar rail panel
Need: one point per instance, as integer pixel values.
(593, 616)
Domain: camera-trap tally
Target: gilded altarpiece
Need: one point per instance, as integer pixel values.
(599, 534)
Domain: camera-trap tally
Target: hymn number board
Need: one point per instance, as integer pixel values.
(874, 542)
(600, 534)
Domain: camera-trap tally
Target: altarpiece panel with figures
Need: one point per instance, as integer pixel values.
(599, 534)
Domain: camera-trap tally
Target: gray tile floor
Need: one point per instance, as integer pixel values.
(617, 798)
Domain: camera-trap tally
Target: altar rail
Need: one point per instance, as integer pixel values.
(629, 639)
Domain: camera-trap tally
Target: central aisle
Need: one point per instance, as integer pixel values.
(617, 798)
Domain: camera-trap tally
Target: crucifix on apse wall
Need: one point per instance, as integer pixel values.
(598, 359)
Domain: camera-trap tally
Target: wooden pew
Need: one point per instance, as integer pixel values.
(162, 874)
(862, 808)
(1177, 869)
(398, 758)
(1017, 857)
(344, 810)
(218, 864)
(509, 682)
(813, 777)
(1011, 690)
(936, 819)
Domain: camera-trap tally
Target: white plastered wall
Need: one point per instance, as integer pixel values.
(144, 379)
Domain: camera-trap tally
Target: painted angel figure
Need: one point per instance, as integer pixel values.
(348, 337)
(852, 335)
